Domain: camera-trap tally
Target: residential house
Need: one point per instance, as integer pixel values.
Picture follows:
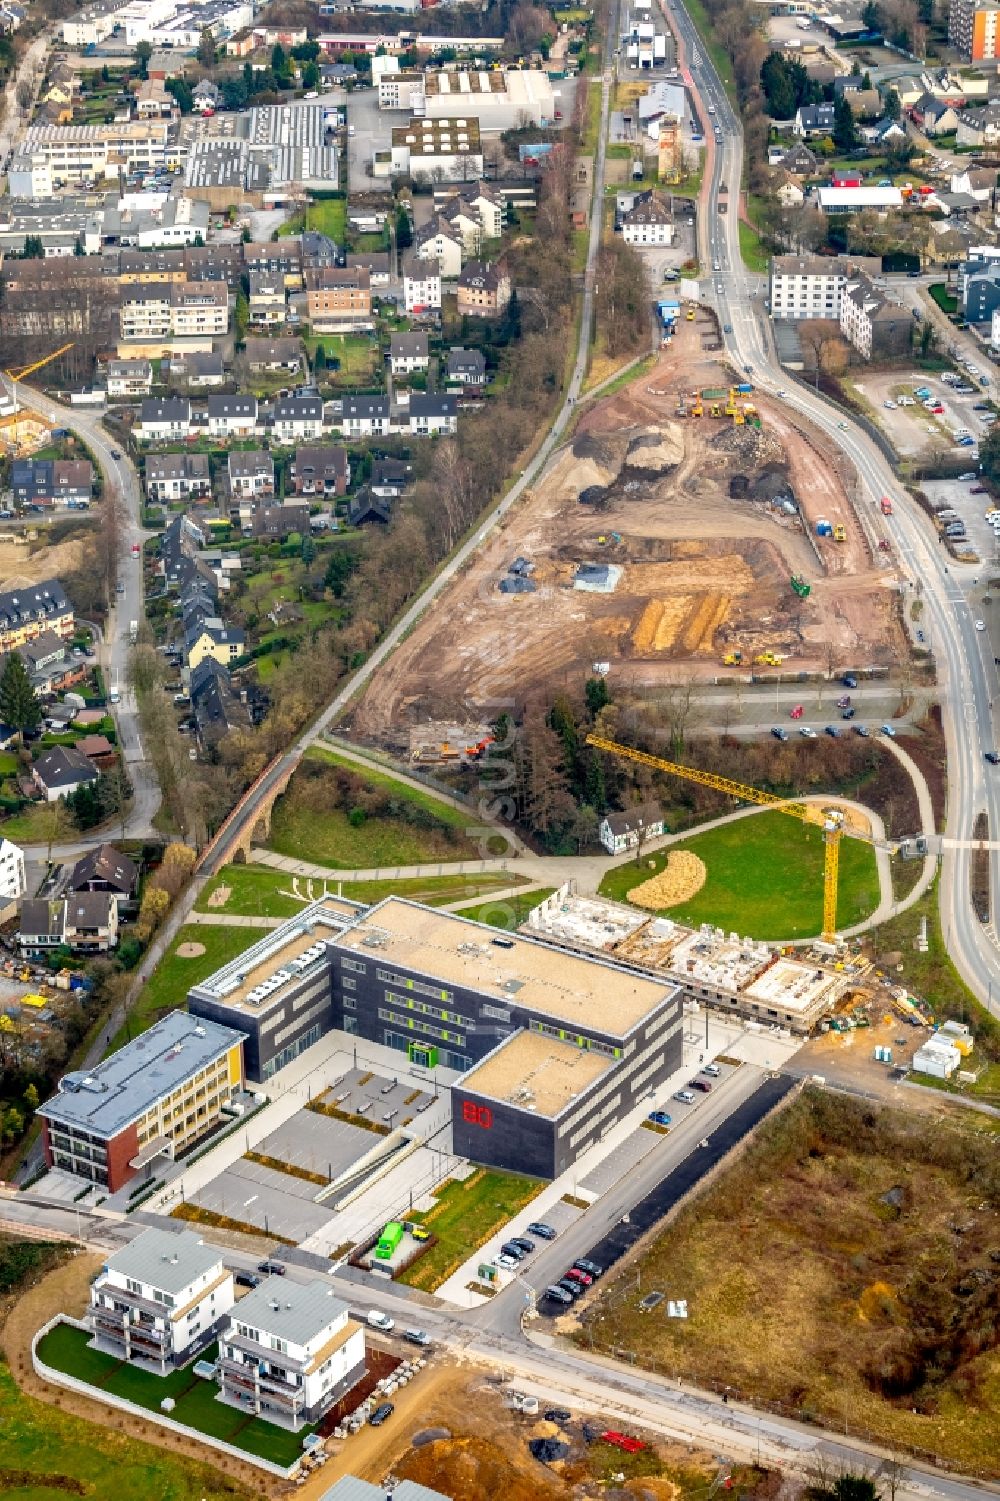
(206, 97)
(390, 478)
(624, 831)
(61, 770)
(232, 417)
(297, 419)
(152, 102)
(274, 356)
(276, 523)
(42, 926)
(129, 377)
(431, 413)
(276, 257)
(884, 132)
(375, 262)
(484, 289)
(877, 328)
(338, 298)
(91, 922)
(479, 201)
(979, 182)
(421, 284)
(162, 418)
(799, 161)
(177, 476)
(160, 1298)
(935, 117)
(267, 300)
(364, 416)
(198, 372)
(154, 313)
(318, 250)
(979, 127)
(290, 1351)
(97, 748)
(787, 191)
(648, 222)
(980, 291)
(408, 353)
(466, 367)
(12, 878)
(812, 286)
(865, 104)
(52, 482)
(365, 507)
(106, 869)
(323, 470)
(217, 261)
(251, 472)
(213, 639)
(438, 241)
(813, 120)
(31, 609)
(216, 707)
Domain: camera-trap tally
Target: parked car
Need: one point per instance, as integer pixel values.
(513, 1250)
(849, 680)
(589, 1266)
(540, 1228)
(712, 1070)
(527, 1246)
(659, 1117)
(807, 732)
(379, 1320)
(272, 1268)
(569, 1286)
(832, 731)
(246, 1279)
(557, 1415)
(583, 1278)
(558, 1294)
(779, 733)
(862, 730)
(684, 1095)
(847, 713)
(383, 1410)
(506, 1263)
(701, 1084)
(977, 489)
(417, 1336)
(993, 758)
(888, 731)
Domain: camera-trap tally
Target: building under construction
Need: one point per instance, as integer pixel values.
(740, 976)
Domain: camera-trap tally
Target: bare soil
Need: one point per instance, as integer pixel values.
(19, 565)
(702, 573)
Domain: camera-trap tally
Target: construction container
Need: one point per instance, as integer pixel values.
(823, 528)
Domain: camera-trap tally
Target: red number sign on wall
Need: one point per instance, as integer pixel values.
(477, 1115)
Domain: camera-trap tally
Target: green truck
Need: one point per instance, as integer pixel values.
(389, 1240)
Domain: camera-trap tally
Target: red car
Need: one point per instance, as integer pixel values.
(575, 1275)
(622, 1441)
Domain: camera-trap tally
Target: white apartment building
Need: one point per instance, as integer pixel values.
(438, 242)
(290, 1351)
(297, 419)
(401, 91)
(160, 1298)
(12, 878)
(421, 285)
(163, 310)
(812, 286)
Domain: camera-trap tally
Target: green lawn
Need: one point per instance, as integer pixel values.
(29, 826)
(260, 891)
(254, 891)
(755, 257)
(166, 989)
(358, 356)
(327, 836)
(328, 216)
(46, 1455)
(433, 891)
(464, 1217)
(765, 878)
(65, 1348)
(946, 301)
(507, 912)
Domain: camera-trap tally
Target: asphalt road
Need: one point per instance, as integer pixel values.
(965, 675)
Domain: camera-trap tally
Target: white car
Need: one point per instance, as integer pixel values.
(980, 625)
(379, 1320)
(807, 732)
(890, 406)
(506, 1263)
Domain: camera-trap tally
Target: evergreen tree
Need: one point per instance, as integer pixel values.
(33, 250)
(19, 706)
(143, 52)
(893, 107)
(206, 48)
(404, 229)
(597, 695)
(845, 136)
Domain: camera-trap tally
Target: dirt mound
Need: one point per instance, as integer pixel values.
(657, 450)
(478, 1467)
(601, 457)
(683, 878)
(755, 447)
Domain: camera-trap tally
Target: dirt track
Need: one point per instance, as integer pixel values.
(703, 571)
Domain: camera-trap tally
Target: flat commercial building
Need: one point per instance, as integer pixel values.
(52, 155)
(500, 100)
(151, 1098)
(588, 1038)
(445, 149)
(813, 286)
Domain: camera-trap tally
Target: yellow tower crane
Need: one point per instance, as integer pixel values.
(30, 369)
(832, 821)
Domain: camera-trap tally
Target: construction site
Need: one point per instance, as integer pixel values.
(690, 522)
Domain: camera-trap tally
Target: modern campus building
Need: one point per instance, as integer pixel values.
(155, 1096)
(560, 1047)
(160, 1298)
(290, 1351)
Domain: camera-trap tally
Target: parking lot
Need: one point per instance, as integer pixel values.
(914, 430)
(377, 1097)
(276, 1203)
(956, 495)
(317, 1144)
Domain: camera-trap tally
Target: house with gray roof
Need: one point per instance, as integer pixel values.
(160, 1299)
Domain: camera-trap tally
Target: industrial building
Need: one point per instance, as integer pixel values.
(739, 976)
(587, 1038)
(443, 150)
(499, 99)
(153, 1097)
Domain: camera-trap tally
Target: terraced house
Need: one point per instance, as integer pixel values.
(26, 612)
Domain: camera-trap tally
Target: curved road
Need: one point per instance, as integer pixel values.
(964, 674)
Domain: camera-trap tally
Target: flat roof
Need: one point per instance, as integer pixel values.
(537, 1073)
(122, 1088)
(792, 986)
(294, 1311)
(569, 988)
(256, 979)
(165, 1260)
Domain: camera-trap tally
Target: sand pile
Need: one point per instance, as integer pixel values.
(683, 878)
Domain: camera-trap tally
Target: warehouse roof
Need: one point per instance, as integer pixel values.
(442, 945)
(122, 1088)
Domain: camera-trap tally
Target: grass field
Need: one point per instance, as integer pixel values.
(765, 878)
(507, 912)
(167, 987)
(260, 891)
(254, 891)
(357, 354)
(45, 1455)
(434, 891)
(755, 257)
(432, 831)
(328, 216)
(823, 1272)
(65, 1348)
(464, 1217)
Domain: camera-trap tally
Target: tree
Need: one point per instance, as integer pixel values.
(143, 52)
(870, 16)
(596, 693)
(19, 704)
(404, 229)
(989, 453)
(279, 62)
(310, 75)
(206, 48)
(319, 357)
(845, 136)
(241, 317)
(308, 550)
(181, 90)
(30, 1099)
(13, 1124)
(33, 250)
(893, 107)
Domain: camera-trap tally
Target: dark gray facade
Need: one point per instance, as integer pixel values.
(282, 1027)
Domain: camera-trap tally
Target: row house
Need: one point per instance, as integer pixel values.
(251, 473)
(164, 419)
(323, 470)
(440, 242)
(363, 416)
(297, 419)
(281, 258)
(51, 482)
(267, 305)
(177, 476)
(430, 414)
(30, 609)
(232, 416)
(129, 378)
